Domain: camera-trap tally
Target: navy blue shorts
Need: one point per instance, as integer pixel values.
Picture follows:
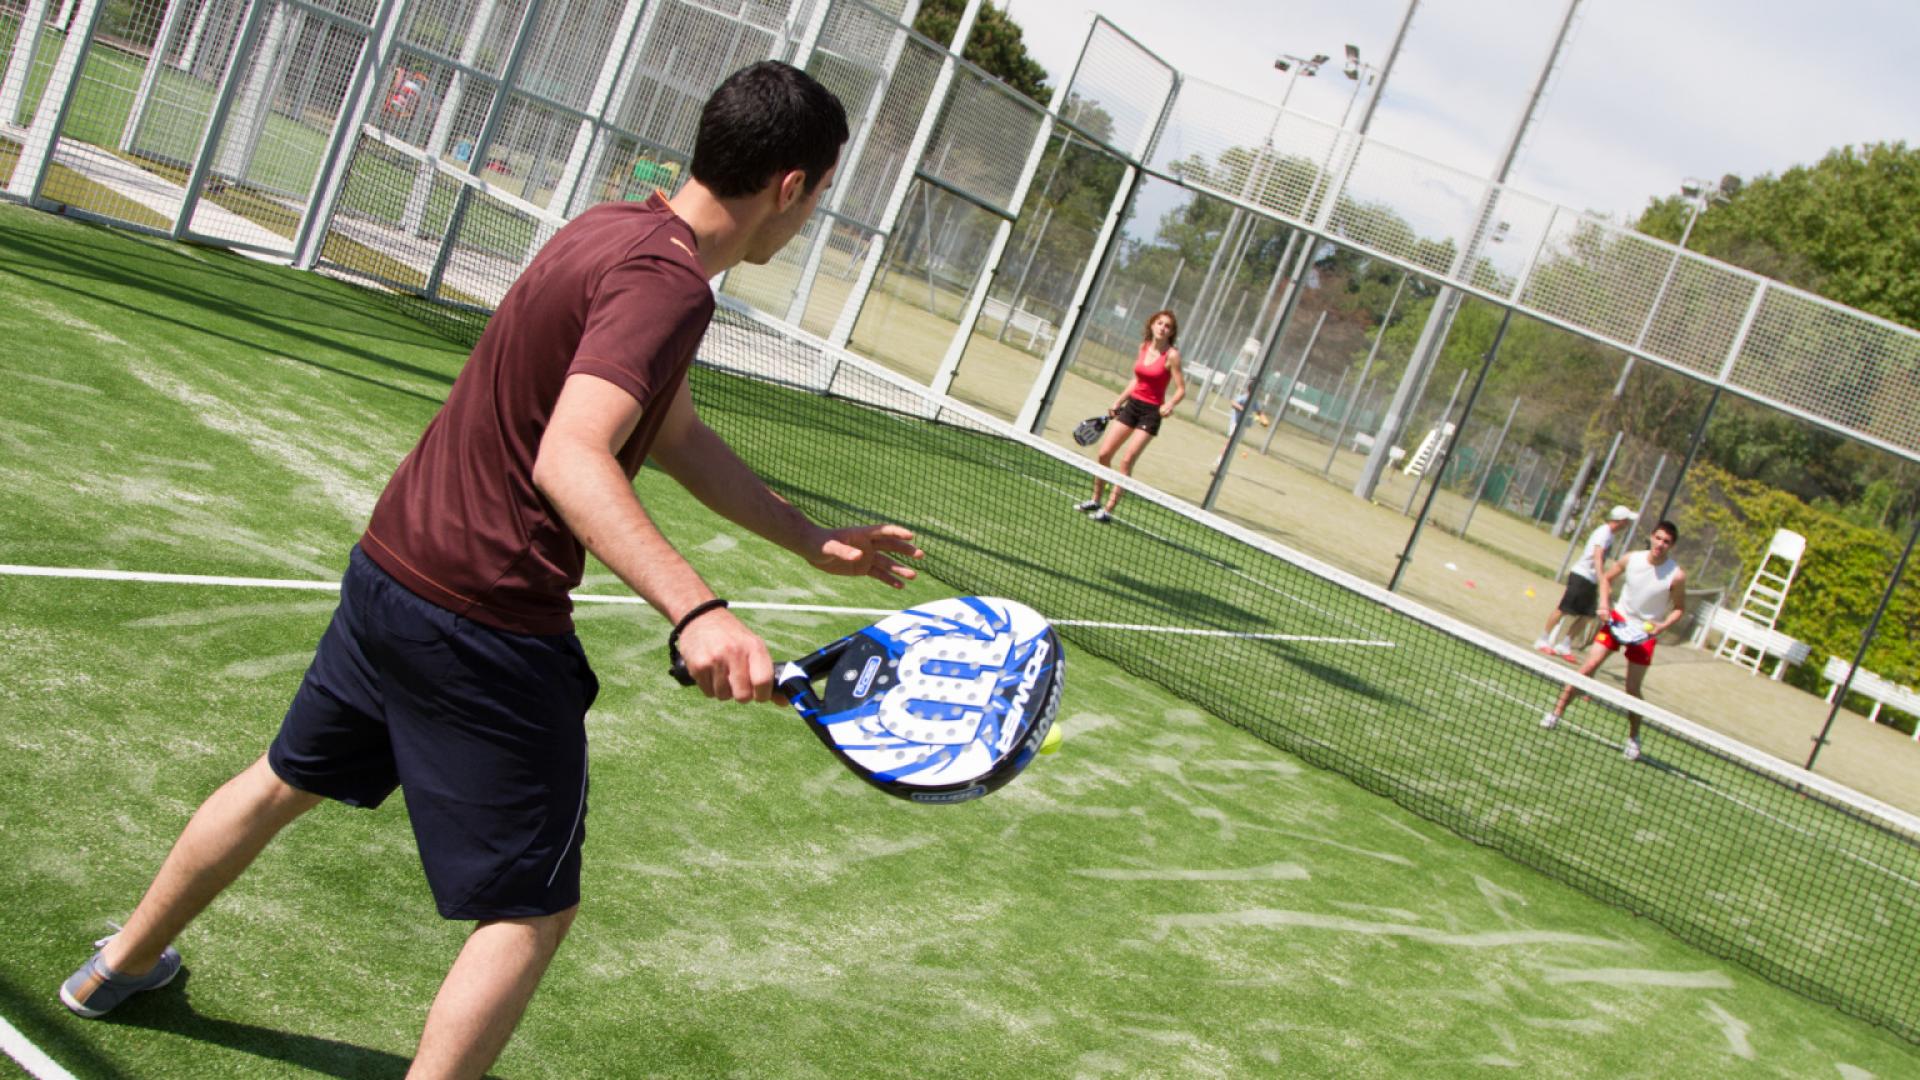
(483, 731)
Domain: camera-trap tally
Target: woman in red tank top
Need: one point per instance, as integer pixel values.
(1137, 412)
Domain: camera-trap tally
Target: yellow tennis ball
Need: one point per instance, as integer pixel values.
(1529, 593)
(1647, 626)
(1052, 742)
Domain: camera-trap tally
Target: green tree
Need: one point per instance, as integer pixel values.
(996, 44)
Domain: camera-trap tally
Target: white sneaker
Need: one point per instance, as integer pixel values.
(1541, 644)
(1550, 721)
(1102, 516)
(1632, 752)
(1086, 506)
(1569, 656)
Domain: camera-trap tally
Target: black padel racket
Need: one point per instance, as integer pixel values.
(940, 703)
(1088, 431)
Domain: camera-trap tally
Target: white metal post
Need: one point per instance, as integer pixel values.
(230, 84)
(36, 153)
(849, 164)
(990, 268)
(1033, 410)
(363, 93)
(413, 217)
(916, 149)
(26, 47)
(620, 56)
(150, 76)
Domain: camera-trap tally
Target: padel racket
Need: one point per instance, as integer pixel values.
(1627, 632)
(940, 703)
(1088, 431)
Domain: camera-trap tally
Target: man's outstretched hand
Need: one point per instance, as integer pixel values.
(871, 551)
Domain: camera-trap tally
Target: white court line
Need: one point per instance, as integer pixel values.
(601, 598)
(30, 1057)
(1711, 790)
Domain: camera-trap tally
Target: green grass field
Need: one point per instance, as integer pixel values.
(1172, 895)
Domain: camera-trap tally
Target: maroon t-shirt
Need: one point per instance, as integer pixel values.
(618, 293)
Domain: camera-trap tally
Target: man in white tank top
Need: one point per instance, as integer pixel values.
(1651, 595)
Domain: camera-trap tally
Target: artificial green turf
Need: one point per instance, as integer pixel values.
(1169, 896)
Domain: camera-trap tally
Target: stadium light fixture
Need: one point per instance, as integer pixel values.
(1352, 68)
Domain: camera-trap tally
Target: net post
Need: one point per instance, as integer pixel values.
(1866, 639)
(1267, 357)
(1445, 453)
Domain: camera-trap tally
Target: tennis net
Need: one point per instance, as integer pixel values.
(1799, 878)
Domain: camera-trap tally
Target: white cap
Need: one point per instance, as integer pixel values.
(1621, 513)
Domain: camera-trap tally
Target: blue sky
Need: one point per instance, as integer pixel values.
(1648, 92)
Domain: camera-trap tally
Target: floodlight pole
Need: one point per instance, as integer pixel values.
(1433, 335)
(1866, 639)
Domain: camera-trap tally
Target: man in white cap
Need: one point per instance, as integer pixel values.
(1586, 593)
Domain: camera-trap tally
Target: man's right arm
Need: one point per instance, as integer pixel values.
(577, 471)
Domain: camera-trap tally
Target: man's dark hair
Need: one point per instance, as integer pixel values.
(1671, 529)
(765, 120)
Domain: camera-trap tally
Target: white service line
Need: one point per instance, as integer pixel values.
(28, 1056)
(628, 598)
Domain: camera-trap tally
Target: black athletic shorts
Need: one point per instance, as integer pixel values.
(1582, 597)
(1138, 414)
(483, 731)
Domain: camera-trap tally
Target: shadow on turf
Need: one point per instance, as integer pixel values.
(281, 323)
(171, 1010)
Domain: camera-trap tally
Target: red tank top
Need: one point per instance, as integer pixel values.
(1150, 376)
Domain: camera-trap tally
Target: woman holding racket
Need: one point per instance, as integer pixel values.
(1137, 411)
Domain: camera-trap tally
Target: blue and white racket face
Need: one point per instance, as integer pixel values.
(941, 695)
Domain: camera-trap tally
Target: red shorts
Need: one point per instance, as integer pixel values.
(1640, 652)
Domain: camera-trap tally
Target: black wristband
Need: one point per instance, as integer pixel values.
(675, 666)
(698, 610)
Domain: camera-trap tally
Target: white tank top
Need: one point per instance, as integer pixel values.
(1647, 592)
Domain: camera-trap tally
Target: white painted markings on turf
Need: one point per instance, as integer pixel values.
(28, 1056)
(84, 573)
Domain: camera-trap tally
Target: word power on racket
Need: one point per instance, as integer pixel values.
(940, 703)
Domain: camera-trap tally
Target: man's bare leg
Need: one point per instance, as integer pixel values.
(1596, 655)
(220, 841)
(485, 993)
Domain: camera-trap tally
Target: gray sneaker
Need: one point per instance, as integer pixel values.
(95, 990)
(1632, 750)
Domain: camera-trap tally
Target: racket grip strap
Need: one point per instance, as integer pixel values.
(677, 667)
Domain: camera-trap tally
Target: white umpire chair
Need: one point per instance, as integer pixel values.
(1766, 594)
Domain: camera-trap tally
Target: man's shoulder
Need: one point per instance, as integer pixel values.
(648, 232)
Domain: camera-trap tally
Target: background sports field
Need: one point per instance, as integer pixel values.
(1169, 896)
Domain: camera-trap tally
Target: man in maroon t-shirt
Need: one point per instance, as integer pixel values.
(450, 669)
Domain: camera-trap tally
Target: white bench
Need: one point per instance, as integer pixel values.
(1865, 683)
(1731, 624)
(1363, 442)
(1308, 408)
